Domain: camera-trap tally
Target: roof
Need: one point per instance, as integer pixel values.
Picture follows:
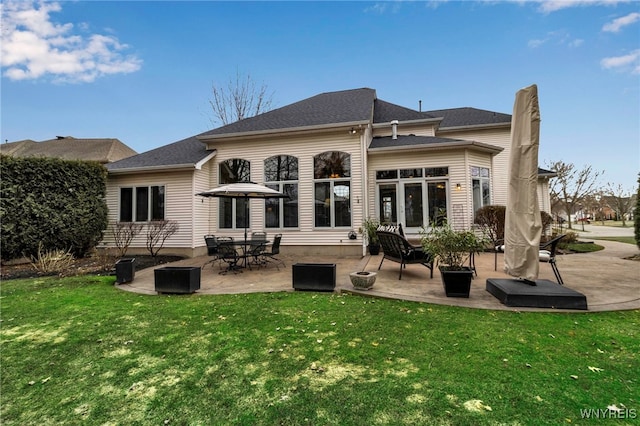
(344, 107)
(185, 153)
(384, 143)
(466, 116)
(347, 106)
(104, 150)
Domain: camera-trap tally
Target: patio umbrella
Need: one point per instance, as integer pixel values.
(244, 190)
(523, 224)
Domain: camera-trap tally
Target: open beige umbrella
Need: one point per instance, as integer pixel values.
(523, 224)
(244, 190)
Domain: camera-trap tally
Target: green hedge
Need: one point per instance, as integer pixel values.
(58, 203)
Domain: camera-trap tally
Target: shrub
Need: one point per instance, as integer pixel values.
(491, 220)
(54, 202)
(157, 233)
(48, 261)
(123, 234)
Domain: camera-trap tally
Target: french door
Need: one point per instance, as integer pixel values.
(412, 203)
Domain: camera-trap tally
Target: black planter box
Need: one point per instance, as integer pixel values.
(457, 283)
(125, 270)
(177, 279)
(314, 276)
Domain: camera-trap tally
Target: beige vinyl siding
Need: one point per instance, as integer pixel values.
(201, 206)
(304, 148)
(179, 205)
(500, 162)
(404, 129)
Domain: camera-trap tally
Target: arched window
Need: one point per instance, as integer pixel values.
(234, 213)
(281, 174)
(332, 189)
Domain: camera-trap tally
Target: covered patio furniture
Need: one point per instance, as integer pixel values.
(270, 256)
(397, 249)
(547, 254)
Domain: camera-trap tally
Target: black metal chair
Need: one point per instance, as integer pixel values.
(397, 248)
(256, 248)
(270, 256)
(212, 249)
(228, 254)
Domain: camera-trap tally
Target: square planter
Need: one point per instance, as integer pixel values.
(314, 276)
(457, 283)
(125, 270)
(177, 279)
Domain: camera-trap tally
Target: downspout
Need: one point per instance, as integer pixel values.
(365, 182)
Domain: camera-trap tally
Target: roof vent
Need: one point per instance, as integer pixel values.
(394, 129)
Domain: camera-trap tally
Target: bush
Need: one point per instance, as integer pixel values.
(50, 261)
(54, 202)
(491, 220)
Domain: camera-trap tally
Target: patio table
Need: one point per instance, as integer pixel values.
(244, 244)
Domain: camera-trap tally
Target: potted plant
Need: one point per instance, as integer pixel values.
(369, 227)
(452, 249)
(363, 280)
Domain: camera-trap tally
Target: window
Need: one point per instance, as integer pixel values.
(480, 187)
(332, 189)
(143, 203)
(281, 174)
(234, 213)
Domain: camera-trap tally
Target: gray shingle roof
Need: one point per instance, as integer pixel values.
(345, 106)
(103, 150)
(188, 151)
(458, 117)
(409, 140)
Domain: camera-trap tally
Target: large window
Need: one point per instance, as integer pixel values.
(281, 174)
(332, 189)
(234, 213)
(415, 197)
(144, 203)
(481, 187)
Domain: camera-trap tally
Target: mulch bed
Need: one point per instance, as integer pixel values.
(98, 265)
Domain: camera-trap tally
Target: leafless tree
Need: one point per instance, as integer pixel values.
(571, 186)
(157, 233)
(123, 234)
(620, 200)
(239, 99)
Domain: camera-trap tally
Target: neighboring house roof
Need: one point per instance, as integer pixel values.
(547, 173)
(188, 153)
(70, 148)
(386, 143)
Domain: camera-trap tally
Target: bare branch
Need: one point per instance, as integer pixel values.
(241, 98)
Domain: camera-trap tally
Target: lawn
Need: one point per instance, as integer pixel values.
(77, 350)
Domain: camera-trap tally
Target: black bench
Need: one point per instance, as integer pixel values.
(396, 248)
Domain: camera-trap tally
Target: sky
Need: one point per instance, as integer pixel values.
(143, 71)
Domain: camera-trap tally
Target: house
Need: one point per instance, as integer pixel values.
(340, 156)
(69, 148)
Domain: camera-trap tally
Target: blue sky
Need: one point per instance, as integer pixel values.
(142, 72)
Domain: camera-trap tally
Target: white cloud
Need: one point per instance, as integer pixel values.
(561, 38)
(617, 24)
(34, 46)
(629, 62)
(549, 6)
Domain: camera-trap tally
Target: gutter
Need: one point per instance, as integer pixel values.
(409, 122)
(474, 127)
(289, 130)
(443, 146)
(146, 169)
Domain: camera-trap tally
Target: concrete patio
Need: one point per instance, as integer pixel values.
(607, 280)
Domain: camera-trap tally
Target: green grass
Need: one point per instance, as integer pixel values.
(628, 240)
(581, 247)
(79, 351)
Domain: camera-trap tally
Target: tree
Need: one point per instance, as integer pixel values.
(571, 186)
(621, 201)
(636, 214)
(239, 99)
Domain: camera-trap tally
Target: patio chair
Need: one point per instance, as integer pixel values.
(270, 256)
(212, 249)
(228, 254)
(257, 248)
(546, 254)
(397, 248)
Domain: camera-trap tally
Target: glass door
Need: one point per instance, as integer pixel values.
(413, 207)
(388, 203)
